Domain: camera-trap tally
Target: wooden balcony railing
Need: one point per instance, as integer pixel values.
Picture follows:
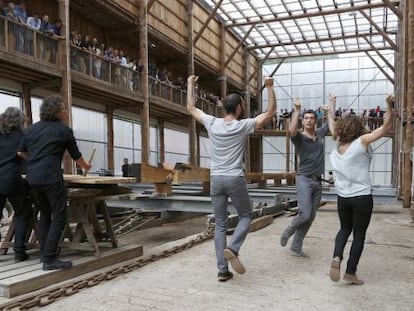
(19, 39)
(22, 41)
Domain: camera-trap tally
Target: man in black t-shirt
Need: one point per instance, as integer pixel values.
(43, 145)
(126, 168)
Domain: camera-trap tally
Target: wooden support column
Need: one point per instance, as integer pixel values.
(223, 77)
(408, 171)
(66, 85)
(248, 112)
(110, 137)
(190, 69)
(143, 52)
(161, 156)
(27, 105)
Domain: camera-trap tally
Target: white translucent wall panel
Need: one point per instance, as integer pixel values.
(36, 102)
(99, 159)
(137, 137)
(7, 100)
(176, 146)
(204, 152)
(307, 78)
(123, 134)
(154, 139)
(314, 66)
(340, 76)
(88, 125)
(283, 80)
(348, 63)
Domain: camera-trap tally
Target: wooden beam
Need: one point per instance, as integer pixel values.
(335, 53)
(315, 40)
(27, 105)
(190, 69)
(261, 61)
(143, 52)
(378, 28)
(45, 83)
(150, 4)
(393, 8)
(380, 55)
(209, 18)
(408, 170)
(238, 46)
(313, 14)
(161, 138)
(63, 59)
(274, 71)
(110, 137)
(380, 68)
(223, 77)
(247, 155)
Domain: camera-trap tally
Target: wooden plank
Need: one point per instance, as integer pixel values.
(33, 280)
(261, 222)
(98, 180)
(188, 173)
(152, 174)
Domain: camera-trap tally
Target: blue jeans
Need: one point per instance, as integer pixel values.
(309, 193)
(354, 214)
(223, 187)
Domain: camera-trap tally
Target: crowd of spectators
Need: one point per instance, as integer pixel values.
(21, 31)
(91, 56)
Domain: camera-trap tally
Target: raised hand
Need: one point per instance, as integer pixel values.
(332, 99)
(268, 81)
(192, 79)
(390, 100)
(297, 104)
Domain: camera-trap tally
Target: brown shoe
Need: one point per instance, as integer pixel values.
(335, 271)
(234, 261)
(352, 279)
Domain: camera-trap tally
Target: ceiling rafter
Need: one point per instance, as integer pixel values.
(291, 16)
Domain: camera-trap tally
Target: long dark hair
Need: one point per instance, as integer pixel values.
(50, 108)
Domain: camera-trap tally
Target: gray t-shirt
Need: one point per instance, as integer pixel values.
(311, 155)
(228, 142)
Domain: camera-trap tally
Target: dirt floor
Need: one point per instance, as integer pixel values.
(275, 280)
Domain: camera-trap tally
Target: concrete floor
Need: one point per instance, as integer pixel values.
(274, 280)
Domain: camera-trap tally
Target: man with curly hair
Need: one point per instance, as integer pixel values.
(12, 185)
(351, 160)
(44, 144)
(310, 148)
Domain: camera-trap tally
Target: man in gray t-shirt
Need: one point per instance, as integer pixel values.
(309, 146)
(228, 137)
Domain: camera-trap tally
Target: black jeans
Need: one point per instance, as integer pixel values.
(354, 215)
(51, 200)
(22, 206)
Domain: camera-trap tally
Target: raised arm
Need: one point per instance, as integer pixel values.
(369, 138)
(294, 122)
(266, 116)
(330, 112)
(192, 109)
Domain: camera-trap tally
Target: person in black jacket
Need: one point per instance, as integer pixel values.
(44, 144)
(12, 185)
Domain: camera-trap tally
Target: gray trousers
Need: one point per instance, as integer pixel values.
(221, 188)
(309, 193)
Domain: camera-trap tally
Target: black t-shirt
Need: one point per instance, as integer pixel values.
(10, 163)
(125, 170)
(46, 142)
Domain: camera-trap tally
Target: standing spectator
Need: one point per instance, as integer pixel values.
(310, 147)
(44, 41)
(44, 144)
(126, 168)
(34, 23)
(351, 160)
(228, 137)
(12, 186)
